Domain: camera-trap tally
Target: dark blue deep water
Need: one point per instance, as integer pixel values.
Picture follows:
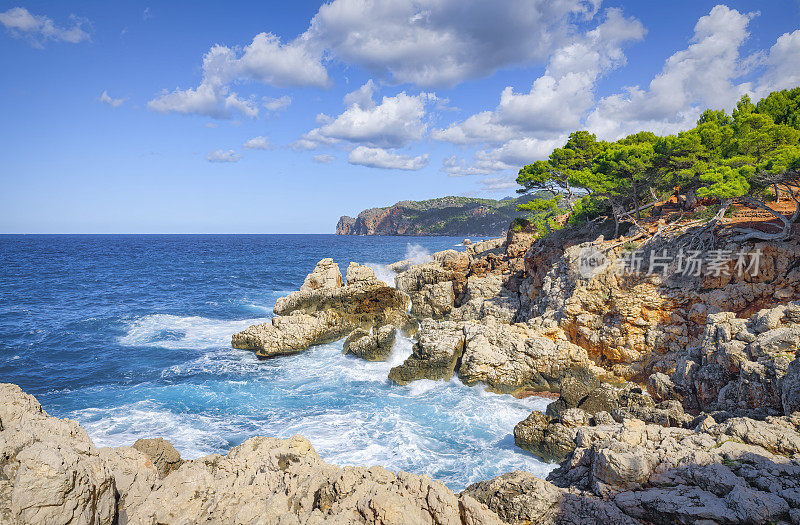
(130, 335)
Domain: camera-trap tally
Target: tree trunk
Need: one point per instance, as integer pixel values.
(750, 234)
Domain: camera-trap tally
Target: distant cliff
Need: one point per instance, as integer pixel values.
(444, 216)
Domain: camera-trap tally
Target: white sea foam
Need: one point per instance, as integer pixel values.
(178, 332)
(345, 406)
(418, 254)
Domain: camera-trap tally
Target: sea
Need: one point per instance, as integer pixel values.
(130, 336)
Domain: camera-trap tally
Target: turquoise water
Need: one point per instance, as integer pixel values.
(130, 335)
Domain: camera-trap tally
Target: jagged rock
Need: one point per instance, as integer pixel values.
(268, 480)
(661, 387)
(326, 275)
(359, 273)
(544, 436)
(430, 287)
(312, 316)
(135, 477)
(372, 346)
(50, 471)
(514, 357)
(790, 388)
(520, 498)
(740, 363)
(161, 452)
(435, 354)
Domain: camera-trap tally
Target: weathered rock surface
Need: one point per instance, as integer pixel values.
(324, 310)
(435, 355)
(52, 473)
(161, 452)
(372, 346)
(742, 364)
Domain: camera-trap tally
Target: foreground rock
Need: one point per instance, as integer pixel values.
(736, 471)
(325, 310)
(52, 473)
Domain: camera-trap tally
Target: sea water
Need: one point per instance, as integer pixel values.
(130, 336)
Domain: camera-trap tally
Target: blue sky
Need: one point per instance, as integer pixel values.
(305, 111)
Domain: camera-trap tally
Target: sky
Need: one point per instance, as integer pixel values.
(279, 117)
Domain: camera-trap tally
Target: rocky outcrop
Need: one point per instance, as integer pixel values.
(52, 473)
(161, 452)
(324, 310)
(737, 471)
(443, 216)
(435, 355)
(372, 346)
(741, 365)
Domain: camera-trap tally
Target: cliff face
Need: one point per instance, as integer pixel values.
(445, 216)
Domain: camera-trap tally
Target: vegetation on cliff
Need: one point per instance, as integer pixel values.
(749, 158)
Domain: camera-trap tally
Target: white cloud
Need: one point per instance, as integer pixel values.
(783, 64)
(444, 42)
(385, 159)
(393, 123)
(113, 102)
(223, 156)
(362, 96)
(265, 60)
(498, 184)
(558, 100)
(277, 104)
(702, 75)
(39, 28)
(258, 143)
(323, 158)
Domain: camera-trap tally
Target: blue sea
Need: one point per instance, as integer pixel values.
(130, 336)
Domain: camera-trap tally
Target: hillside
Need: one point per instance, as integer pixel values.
(443, 216)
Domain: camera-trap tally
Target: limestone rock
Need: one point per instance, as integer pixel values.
(790, 388)
(161, 452)
(372, 346)
(359, 273)
(325, 275)
(135, 477)
(435, 354)
(51, 472)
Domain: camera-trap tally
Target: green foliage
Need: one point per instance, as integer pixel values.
(724, 156)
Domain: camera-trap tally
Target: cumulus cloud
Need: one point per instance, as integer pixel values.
(323, 158)
(277, 104)
(223, 156)
(558, 100)
(258, 143)
(444, 42)
(113, 102)
(702, 75)
(395, 122)
(782, 64)
(21, 23)
(265, 60)
(386, 159)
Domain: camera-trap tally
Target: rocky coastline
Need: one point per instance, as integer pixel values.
(678, 396)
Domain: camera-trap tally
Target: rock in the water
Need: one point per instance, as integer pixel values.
(161, 452)
(435, 354)
(325, 313)
(372, 346)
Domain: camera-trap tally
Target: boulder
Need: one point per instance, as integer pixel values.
(372, 346)
(161, 452)
(326, 275)
(435, 354)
